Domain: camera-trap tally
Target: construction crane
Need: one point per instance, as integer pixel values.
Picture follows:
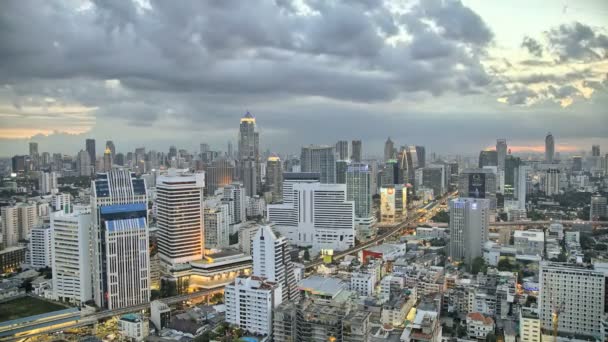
(557, 309)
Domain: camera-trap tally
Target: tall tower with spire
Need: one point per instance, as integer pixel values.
(389, 149)
(249, 155)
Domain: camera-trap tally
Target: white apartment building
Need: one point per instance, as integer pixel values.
(234, 196)
(246, 234)
(121, 259)
(529, 242)
(40, 247)
(529, 325)
(217, 225)
(61, 202)
(250, 302)
(315, 214)
(479, 326)
(579, 290)
(179, 215)
(256, 206)
(390, 283)
(469, 222)
(362, 283)
(272, 261)
(47, 182)
(17, 222)
(71, 256)
(133, 327)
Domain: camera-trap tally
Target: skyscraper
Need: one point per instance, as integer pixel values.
(595, 150)
(341, 166)
(357, 151)
(393, 203)
(501, 151)
(478, 183)
(47, 182)
(84, 163)
(107, 160)
(469, 221)
(488, 158)
(551, 183)
(549, 148)
(218, 174)
(110, 145)
(179, 201)
(389, 149)
(249, 155)
(321, 159)
(342, 150)
(599, 208)
(271, 260)
(121, 260)
(421, 154)
(90, 148)
(359, 190)
(33, 149)
(274, 178)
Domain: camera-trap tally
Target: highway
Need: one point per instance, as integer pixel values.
(391, 232)
(94, 317)
(528, 223)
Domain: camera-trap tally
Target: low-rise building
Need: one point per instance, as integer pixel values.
(250, 302)
(479, 326)
(133, 327)
(362, 283)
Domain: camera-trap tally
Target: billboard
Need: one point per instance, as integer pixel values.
(387, 203)
(477, 185)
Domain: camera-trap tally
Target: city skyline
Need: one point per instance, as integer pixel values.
(398, 76)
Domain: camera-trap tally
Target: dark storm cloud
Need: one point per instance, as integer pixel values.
(533, 46)
(578, 41)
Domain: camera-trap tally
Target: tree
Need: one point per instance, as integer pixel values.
(600, 247)
(306, 255)
(478, 265)
(490, 337)
(442, 217)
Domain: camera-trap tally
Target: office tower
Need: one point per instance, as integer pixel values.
(389, 150)
(71, 255)
(40, 247)
(501, 152)
(107, 160)
(598, 210)
(392, 173)
(90, 148)
(45, 159)
(511, 167)
(314, 214)
(230, 153)
(521, 190)
(249, 155)
(469, 221)
(408, 164)
(204, 148)
(250, 302)
(580, 292)
(374, 172)
(218, 174)
(110, 145)
(217, 225)
(421, 155)
(272, 261)
(121, 260)
(172, 153)
(433, 177)
(274, 178)
(179, 216)
(478, 183)
(342, 150)
(234, 196)
(33, 149)
(119, 159)
(577, 163)
(321, 159)
(595, 150)
(357, 151)
(393, 203)
(551, 183)
(84, 163)
(359, 190)
(47, 182)
(549, 148)
(488, 158)
(341, 167)
(18, 164)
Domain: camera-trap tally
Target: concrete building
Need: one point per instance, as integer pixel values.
(389, 150)
(434, 177)
(179, 216)
(274, 178)
(218, 174)
(549, 148)
(393, 203)
(121, 259)
(598, 209)
(469, 222)
(529, 325)
(217, 225)
(529, 242)
(249, 155)
(250, 302)
(133, 327)
(234, 196)
(272, 261)
(71, 255)
(362, 283)
(342, 150)
(160, 314)
(314, 214)
(17, 222)
(320, 159)
(425, 326)
(40, 247)
(357, 151)
(478, 183)
(479, 326)
(501, 151)
(551, 182)
(47, 182)
(358, 190)
(579, 291)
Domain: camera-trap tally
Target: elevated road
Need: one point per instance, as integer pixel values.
(529, 223)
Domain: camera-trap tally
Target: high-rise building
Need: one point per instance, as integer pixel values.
(580, 292)
(47, 182)
(40, 247)
(521, 190)
(599, 208)
(478, 183)
(234, 196)
(549, 148)
(393, 203)
(33, 149)
(469, 222)
(321, 159)
(249, 155)
(433, 177)
(551, 183)
(501, 151)
(341, 166)
(17, 222)
(389, 150)
(218, 174)
(110, 145)
(511, 166)
(488, 158)
(595, 150)
(179, 216)
(84, 163)
(71, 255)
(121, 259)
(250, 302)
(314, 214)
(357, 151)
(274, 178)
(272, 261)
(421, 155)
(577, 163)
(107, 160)
(217, 225)
(392, 173)
(342, 150)
(90, 148)
(20, 164)
(359, 190)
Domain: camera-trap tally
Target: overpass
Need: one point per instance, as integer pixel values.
(34, 328)
(529, 223)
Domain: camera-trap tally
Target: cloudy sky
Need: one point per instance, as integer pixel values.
(451, 75)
